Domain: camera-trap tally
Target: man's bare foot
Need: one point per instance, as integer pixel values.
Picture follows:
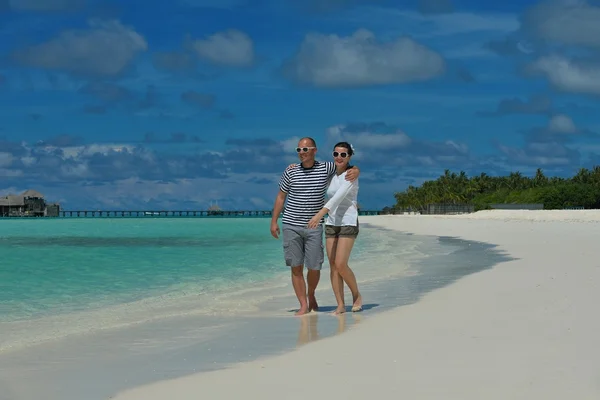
(312, 304)
(303, 310)
(339, 310)
(357, 303)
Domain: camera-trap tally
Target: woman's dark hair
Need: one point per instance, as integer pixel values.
(345, 145)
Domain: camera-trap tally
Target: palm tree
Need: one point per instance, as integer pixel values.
(582, 176)
(539, 179)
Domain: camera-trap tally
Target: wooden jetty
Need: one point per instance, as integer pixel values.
(161, 213)
(171, 214)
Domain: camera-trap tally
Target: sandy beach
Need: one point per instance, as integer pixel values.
(524, 329)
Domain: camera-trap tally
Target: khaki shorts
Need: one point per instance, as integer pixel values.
(341, 231)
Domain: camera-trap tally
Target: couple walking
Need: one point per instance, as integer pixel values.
(304, 186)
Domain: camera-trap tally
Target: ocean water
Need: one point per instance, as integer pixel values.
(59, 266)
(60, 277)
(89, 307)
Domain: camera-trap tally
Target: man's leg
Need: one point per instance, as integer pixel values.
(300, 288)
(312, 278)
(293, 251)
(313, 260)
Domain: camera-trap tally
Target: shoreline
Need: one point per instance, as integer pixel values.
(111, 361)
(242, 298)
(522, 329)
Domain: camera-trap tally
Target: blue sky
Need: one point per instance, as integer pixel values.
(181, 104)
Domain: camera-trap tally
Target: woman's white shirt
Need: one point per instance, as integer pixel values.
(342, 201)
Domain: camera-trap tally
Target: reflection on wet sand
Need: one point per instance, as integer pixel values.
(309, 330)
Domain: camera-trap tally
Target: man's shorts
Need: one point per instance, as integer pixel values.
(341, 231)
(303, 246)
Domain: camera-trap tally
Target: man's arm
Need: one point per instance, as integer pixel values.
(351, 173)
(284, 188)
(277, 208)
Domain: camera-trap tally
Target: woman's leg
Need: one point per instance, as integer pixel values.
(337, 284)
(342, 255)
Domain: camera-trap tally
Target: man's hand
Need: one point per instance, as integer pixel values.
(277, 208)
(275, 229)
(352, 174)
(291, 166)
(314, 222)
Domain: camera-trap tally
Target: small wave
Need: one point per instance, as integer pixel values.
(379, 256)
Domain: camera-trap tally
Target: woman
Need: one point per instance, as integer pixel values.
(341, 227)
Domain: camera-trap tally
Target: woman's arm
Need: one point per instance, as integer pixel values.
(337, 198)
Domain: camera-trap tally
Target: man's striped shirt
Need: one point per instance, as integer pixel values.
(305, 188)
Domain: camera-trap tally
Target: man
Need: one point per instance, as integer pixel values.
(304, 186)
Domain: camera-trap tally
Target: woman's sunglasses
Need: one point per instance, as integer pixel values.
(343, 155)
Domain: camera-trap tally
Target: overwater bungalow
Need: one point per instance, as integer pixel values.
(215, 210)
(30, 203)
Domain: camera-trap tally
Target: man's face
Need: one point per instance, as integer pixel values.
(310, 152)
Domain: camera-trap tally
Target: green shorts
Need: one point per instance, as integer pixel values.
(341, 231)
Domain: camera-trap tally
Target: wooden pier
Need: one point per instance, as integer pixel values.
(171, 214)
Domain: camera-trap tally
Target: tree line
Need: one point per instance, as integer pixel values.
(580, 190)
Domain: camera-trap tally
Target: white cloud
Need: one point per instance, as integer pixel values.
(105, 49)
(456, 23)
(291, 143)
(460, 148)
(363, 141)
(361, 60)
(426, 161)
(228, 48)
(375, 142)
(570, 22)
(28, 161)
(78, 170)
(76, 152)
(567, 75)
(561, 123)
(539, 154)
(6, 159)
(11, 173)
(234, 193)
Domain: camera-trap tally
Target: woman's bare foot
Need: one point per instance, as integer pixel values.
(339, 310)
(357, 303)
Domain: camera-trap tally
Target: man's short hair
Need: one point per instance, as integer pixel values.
(311, 140)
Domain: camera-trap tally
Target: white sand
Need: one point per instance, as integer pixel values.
(525, 329)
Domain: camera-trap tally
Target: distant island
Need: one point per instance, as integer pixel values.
(450, 193)
(484, 192)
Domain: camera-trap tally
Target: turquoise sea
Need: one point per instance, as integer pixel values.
(114, 272)
(91, 306)
(65, 265)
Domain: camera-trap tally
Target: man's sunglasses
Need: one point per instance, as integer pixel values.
(343, 155)
(303, 149)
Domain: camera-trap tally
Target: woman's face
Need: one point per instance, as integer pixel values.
(341, 156)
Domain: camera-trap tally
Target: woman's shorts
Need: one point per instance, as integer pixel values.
(341, 231)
